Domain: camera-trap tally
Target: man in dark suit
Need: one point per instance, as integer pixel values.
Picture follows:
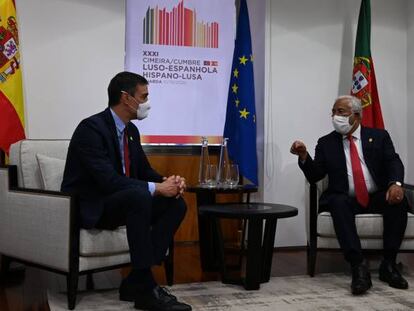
(107, 169)
(365, 176)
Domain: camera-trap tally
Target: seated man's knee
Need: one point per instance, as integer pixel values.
(404, 204)
(338, 202)
(180, 206)
(138, 198)
(401, 207)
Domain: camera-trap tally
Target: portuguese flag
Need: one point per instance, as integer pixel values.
(11, 93)
(364, 85)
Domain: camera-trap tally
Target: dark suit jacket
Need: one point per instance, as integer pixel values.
(94, 169)
(382, 161)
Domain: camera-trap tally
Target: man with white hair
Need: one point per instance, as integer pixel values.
(365, 176)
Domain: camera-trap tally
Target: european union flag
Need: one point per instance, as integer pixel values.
(240, 126)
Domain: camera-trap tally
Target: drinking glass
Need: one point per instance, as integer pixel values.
(232, 175)
(211, 175)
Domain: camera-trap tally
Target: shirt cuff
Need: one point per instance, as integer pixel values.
(151, 187)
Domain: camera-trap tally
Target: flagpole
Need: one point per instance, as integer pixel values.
(2, 158)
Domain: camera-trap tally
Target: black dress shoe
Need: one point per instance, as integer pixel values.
(128, 291)
(389, 273)
(361, 279)
(159, 299)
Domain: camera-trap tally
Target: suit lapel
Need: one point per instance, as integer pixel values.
(339, 146)
(132, 152)
(114, 137)
(367, 146)
(366, 143)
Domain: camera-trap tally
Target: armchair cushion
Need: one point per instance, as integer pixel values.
(369, 226)
(95, 242)
(23, 154)
(51, 171)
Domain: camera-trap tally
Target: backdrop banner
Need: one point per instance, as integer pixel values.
(184, 49)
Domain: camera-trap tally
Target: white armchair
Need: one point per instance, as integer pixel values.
(40, 227)
(321, 234)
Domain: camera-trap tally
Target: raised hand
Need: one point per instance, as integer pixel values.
(299, 148)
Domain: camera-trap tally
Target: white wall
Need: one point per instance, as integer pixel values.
(410, 97)
(310, 55)
(70, 51)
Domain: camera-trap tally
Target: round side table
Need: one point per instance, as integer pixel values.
(259, 252)
(207, 196)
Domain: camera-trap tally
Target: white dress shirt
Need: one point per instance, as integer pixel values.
(369, 181)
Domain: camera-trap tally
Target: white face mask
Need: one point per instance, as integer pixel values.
(341, 124)
(143, 108)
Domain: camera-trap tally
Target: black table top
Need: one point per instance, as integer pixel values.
(238, 189)
(249, 210)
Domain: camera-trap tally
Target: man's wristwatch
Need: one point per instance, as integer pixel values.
(398, 183)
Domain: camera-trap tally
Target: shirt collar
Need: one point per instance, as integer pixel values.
(356, 134)
(120, 125)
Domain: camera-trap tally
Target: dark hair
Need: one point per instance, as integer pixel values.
(123, 81)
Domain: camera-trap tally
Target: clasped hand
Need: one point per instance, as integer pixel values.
(172, 186)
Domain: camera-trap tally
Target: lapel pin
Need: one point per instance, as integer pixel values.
(130, 138)
(370, 140)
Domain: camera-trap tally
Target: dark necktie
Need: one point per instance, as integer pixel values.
(126, 154)
(361, 191)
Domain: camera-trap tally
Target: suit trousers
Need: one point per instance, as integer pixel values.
(343, 209)
(151, 223)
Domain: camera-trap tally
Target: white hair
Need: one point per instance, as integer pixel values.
(354, 103)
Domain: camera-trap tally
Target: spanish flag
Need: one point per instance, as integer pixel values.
(11, 90)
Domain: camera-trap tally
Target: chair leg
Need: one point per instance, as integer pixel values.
(72, 287)
(5, 264)
(89, 282)
(311, 260)
(169, 265)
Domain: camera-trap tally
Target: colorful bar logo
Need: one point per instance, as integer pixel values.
(179, 27)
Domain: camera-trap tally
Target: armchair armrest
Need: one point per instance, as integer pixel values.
(409, 193)
(314, 191)
(36, 226)
(312, 212)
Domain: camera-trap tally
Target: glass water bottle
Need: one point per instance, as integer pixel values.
(223, 163)
(204, 162)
